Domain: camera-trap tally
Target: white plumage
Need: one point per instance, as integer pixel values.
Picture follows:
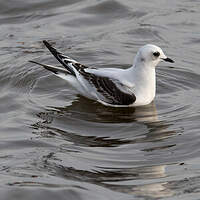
(135, 86)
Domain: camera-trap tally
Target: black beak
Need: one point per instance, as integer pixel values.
(168, 60)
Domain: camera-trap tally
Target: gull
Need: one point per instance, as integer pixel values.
(134, 86)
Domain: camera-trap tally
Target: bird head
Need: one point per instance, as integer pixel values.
(151, 55)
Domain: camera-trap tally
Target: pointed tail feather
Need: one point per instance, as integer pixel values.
(63, 59)
(55, 70)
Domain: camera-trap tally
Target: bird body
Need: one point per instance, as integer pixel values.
(135, 86)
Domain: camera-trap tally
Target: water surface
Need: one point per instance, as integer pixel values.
(57, 145)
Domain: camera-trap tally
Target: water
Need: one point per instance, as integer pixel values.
(56, 145)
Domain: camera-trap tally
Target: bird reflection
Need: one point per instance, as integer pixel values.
(89, 124)
(144, 181)
(100, 113)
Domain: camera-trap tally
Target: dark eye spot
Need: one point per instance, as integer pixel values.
(142, 59)
(156, 54)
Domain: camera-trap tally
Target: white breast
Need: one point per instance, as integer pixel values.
(145, 85)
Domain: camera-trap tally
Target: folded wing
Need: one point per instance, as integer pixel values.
(107, 90)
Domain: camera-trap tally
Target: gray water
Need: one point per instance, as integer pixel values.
(57, 145)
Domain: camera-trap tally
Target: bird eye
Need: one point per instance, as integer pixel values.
(156, 54)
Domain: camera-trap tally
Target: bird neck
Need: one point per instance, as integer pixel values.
(145, 82)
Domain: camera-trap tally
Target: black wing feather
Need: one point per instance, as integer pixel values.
(63, 59)
(104, 85)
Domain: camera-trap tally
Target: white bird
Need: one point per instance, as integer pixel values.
(135, 86)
